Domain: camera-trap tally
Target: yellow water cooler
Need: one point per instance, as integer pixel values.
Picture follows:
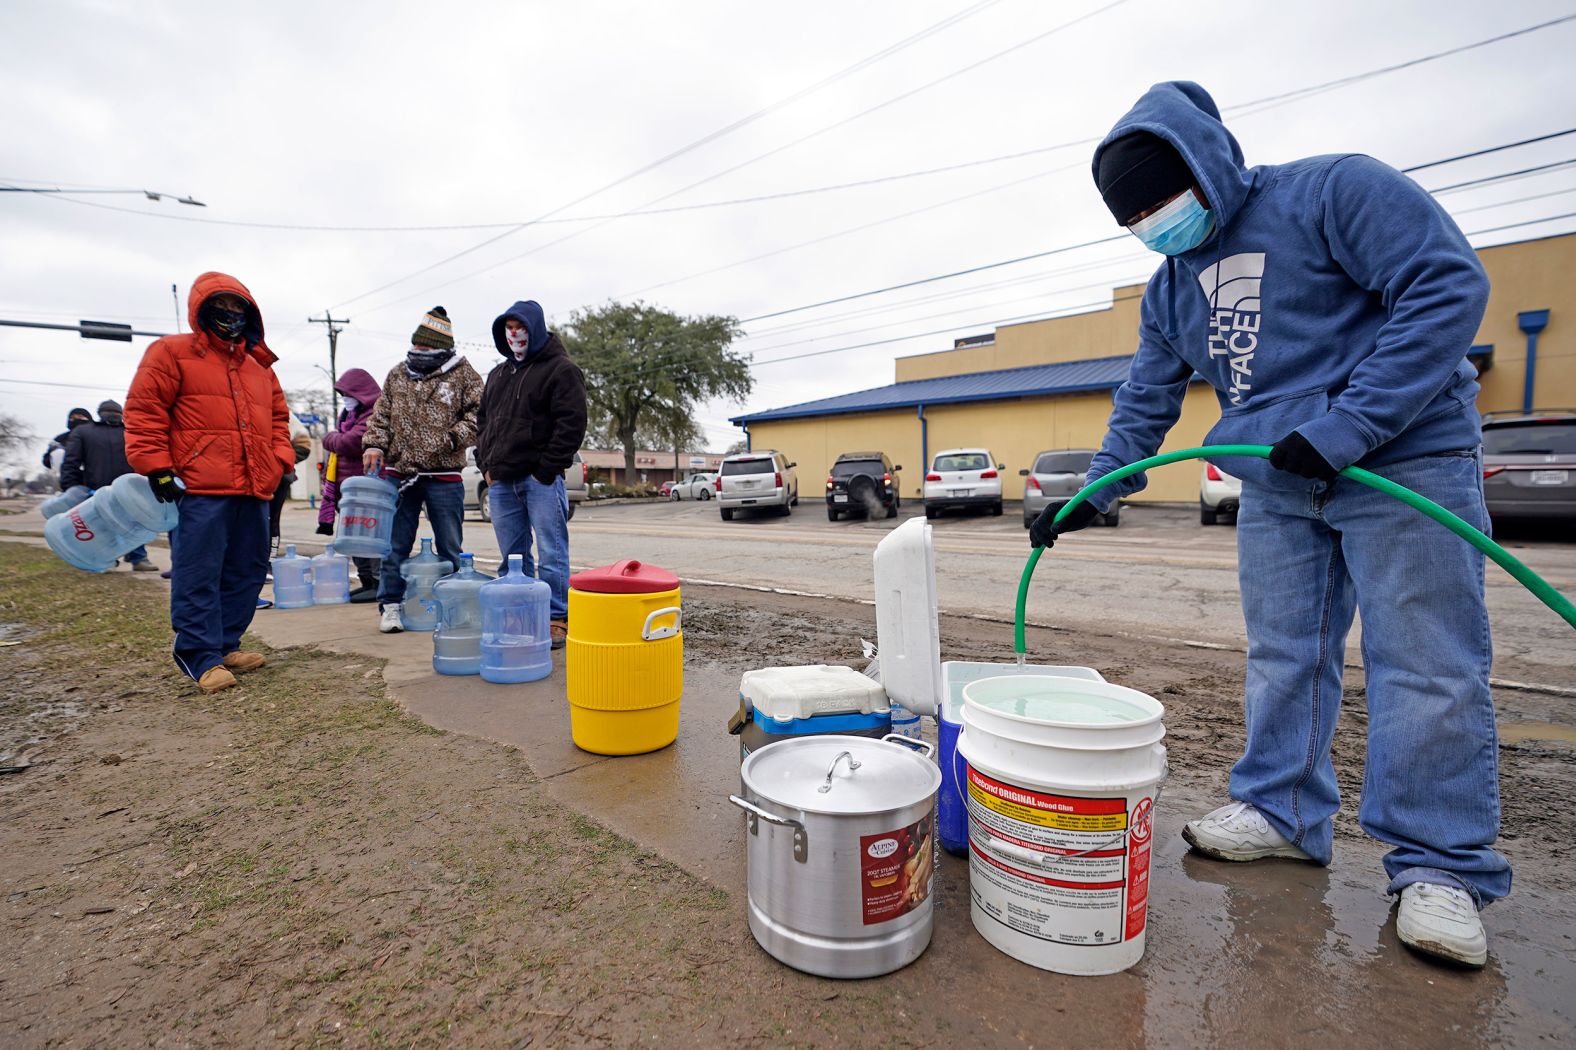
(625, 658)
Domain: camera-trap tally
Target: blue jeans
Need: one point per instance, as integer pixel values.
(218, 559)
(1307, 558)
(140, 554)
(518, 509)
(445, 503)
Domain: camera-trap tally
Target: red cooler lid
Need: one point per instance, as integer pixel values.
(625, 577)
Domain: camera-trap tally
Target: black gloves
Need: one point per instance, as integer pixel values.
(166, 489)
(1296, 455)
(545, 476)
(1043, 534)
(325, 528)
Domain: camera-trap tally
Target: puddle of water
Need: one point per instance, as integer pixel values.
(1521, 732)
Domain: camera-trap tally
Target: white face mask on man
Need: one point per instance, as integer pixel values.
(519, 341)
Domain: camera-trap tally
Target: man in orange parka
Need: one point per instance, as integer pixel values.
(207, 422)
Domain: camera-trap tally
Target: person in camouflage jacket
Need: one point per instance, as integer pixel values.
(417, 437)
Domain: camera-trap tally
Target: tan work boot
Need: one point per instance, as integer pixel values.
(239, 661)
(560, 632)
(216, 678)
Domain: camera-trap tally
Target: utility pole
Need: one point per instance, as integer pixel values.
(175, 297)
(333, 347)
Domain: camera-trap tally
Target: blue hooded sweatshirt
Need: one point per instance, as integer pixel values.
(529, 313)
(1334, 297)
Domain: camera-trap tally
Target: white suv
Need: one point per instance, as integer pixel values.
(757, 480)
(1219, 495)
(963, 477)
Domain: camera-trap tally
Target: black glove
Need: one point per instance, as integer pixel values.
(545, 476)
(1296, 455)
(166, 489)
(325, 528)
(1043, 534)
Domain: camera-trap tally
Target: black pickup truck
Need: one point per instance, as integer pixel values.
(862, 483)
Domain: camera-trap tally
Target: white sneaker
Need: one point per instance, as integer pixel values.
(1443, 922)
(1238, 832)
(390, 623)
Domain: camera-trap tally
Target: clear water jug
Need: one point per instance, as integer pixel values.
(517, 638)
(365, 524)
(61, 502)
(114, 521)
(330, 578)
(420, 573)
(292, 580)
(457, 640)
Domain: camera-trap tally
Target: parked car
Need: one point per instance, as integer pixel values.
(1219, 496)
(476, 485)
(963, 477)
(1529, 464)
(862, 483)
(696, 486)
(666, 490)
(1056, 477)
(756, 481)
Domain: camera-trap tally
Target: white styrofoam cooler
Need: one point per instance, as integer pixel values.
(789, 693)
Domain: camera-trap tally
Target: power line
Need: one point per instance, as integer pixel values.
(1505, 176)
(1528, 222)
(861, 64)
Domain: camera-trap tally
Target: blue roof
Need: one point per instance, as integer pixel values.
(1064, 377)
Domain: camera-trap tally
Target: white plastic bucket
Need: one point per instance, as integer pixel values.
(1062, 780)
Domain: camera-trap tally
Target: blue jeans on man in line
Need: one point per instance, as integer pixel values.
(445, 504)
(1309, 557)
(522, 507)
(218, 560)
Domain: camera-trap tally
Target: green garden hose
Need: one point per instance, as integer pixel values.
(1509, 562)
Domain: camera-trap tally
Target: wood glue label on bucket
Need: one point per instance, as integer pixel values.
(1066, 868)
(896, 870)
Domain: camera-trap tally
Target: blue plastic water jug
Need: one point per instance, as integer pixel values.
(61, 502)
(421, 572)
(365, 524)
(457, 639)
(330, 578)
(517, 638)
(292, 580)
(111, 523)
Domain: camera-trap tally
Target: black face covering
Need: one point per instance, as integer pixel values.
(426, 362)
(228, 325)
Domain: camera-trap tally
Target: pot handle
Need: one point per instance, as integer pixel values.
(660, 633)
(929, 750)
(801, 840)
(853, 764)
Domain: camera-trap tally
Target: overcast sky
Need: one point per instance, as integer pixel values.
(407, 114)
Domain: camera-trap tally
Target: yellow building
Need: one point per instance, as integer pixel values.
(1048, 384)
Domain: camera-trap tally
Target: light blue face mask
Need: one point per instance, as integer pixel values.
(1180, 226)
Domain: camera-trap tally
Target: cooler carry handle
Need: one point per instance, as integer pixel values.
(659, 633)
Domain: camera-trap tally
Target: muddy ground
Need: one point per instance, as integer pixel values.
(297, 862)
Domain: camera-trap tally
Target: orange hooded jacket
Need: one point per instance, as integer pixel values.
(212, 413)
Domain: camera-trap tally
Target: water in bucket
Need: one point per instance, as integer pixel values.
(366, 517)
(330, 578)
(111, 523)
(61, 502)
(517, 638)
(292, 580)
(457, 639)
(420, 573)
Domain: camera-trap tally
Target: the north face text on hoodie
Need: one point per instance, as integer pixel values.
(1232, 288)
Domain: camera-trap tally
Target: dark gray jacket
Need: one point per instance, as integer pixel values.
(95, 454)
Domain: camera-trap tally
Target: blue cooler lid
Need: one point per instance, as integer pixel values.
(822, 723)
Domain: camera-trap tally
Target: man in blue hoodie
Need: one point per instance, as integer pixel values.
(532, 421)
(1330, 302)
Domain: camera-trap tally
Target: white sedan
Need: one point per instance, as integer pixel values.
(696, 486)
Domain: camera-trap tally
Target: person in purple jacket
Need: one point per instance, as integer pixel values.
(1331, 303)
(359, 392)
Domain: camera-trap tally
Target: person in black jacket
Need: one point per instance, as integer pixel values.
(75, 418)
(96, 456)
(531, 423)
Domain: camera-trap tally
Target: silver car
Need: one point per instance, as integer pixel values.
(1529, 464)
(757, 481)
(1054, 479)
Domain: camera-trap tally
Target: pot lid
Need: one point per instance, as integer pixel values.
(625, 577)
(875, 776)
